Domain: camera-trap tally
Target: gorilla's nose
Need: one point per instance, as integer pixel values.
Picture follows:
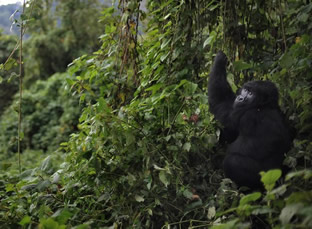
(240, 98)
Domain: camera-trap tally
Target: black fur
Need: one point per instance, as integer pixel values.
(255, 129)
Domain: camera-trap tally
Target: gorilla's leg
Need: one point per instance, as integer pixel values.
(243, 170)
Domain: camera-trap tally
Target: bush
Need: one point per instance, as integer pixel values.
(50, 115)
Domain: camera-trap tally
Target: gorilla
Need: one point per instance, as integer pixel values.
(253, 125)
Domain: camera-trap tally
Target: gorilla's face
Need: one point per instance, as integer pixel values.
(245, 97)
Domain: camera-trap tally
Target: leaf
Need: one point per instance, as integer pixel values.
(211, 212)
(187, 146)
(9, 187)
(163, 178)
(190, 88)
(150, 211)
(82, 98)
(228, 225)
(139, 198)
(286, 60)
(262, 210)
(26, 220)
(56, 178)
(289, 211)
(155, 88)
(46, 165)
(86, 226)
(188, 194)
(303, 17)
(43, 185)
(270, 177)
(158, 168)
(164, 44)
(305, 174)
(50, 224)
(210, 40)
(62, 215)
(163, 57)
(249, 198)
(195, 204)
(130, 138)
(102, 106)
(241, 65)
(297, 197)
(22, 135)
(10, 64)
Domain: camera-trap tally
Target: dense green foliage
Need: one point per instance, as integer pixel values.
(8, 87)
(146, 152)
(61, 32)
(50, 112)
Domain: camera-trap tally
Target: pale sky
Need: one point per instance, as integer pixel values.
(5, 2)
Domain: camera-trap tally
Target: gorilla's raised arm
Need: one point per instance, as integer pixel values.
(220, 95)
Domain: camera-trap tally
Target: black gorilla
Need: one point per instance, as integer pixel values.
(253, 125)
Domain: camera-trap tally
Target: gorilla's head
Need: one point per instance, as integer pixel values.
(257, 94)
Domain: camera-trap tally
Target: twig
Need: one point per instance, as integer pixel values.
(21, 75)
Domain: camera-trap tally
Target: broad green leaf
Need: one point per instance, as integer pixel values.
(62, 215)
(50, 224)
(228, 225)
(150, 211)
(70, 81)
(43, 185)
(305, 174)
(260, 210)
(297, 197)
(155, 88)
(163, 178)
(286, 60)
(190, 88)
(163, 57)
(210, 40)
(26, 220)
(303, 17)
(195, 204)
(84, 226)
(164, 44)
(188, 194)
(187, 146)
(249, 198)
(139, 198)
(211, 212)
(158, 168)
(289, 211)
(102, 106)
(241, 65)
(56, 178)
(82, 98)
(10, 64)
(270, 177)
(22, 136)
(46, 165)
(9, 187)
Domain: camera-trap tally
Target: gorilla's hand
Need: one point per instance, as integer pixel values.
(220, 60)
